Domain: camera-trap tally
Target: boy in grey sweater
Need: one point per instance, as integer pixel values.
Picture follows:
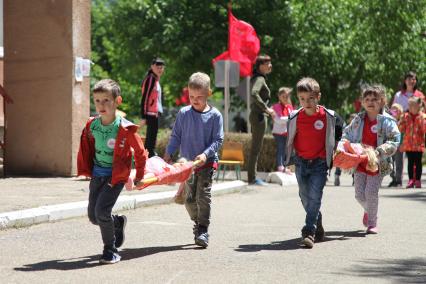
(198, 133)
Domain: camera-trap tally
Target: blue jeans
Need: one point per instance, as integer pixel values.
(311, 176)
(281, 144)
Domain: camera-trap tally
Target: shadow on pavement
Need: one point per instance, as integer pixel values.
(62, 264)
(411, 270)
(93, 260)
(415, 196)
(131, 253)
(294, 244)
(341, 236)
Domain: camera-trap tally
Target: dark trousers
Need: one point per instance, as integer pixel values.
(415, 158)
(258, 128)
(311, 177)
(151, 134)
(102, 198)
(198, 196)
(398, 165)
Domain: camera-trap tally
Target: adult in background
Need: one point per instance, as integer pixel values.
(259, 110)
(151, 105)
(408, 90)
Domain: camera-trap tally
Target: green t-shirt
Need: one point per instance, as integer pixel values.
(105, 136)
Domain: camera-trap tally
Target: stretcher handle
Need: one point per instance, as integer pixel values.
(155, 179)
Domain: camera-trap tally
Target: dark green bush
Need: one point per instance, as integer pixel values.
(266, 160)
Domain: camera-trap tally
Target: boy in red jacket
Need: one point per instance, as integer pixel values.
(105, 156)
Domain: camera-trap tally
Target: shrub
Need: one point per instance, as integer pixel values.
(266, 160)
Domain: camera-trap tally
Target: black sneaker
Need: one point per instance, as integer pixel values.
(119, 230)
(202, 239)
(110, 256)
(392, 184)
(319, 233)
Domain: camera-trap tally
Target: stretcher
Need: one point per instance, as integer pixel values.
(158, 171)
(349, 155)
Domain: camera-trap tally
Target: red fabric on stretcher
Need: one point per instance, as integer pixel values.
(178, 174)
(164, 172)
(348, 157)
(345, 160)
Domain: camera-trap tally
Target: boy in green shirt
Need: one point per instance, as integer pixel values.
(105, 156)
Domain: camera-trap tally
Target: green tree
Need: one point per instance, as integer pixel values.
(342, 44)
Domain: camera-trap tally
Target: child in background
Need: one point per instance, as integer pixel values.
(282, 109)
(312, 132)
(338, 171)
(398, 159)
(372, 127)
(198, 132)
(105, 155)
(413, 125)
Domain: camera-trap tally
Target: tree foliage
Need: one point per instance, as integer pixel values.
(342, 44)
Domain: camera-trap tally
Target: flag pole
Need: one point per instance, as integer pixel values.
(229, 23)
(226, 91)
(248, 103)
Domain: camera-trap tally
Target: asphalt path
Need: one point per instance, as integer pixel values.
(254, 238)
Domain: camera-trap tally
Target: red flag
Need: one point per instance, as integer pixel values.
(184, 98)
(243, 45)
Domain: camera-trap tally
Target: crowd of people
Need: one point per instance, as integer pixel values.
(307, 137)
(408, 108)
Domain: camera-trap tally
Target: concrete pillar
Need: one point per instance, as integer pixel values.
(1, 98)
(1, 73)
(43, 126)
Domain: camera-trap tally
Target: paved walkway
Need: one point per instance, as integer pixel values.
(254, 238)
(25, 193)
(18, 193)
(27, 201)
